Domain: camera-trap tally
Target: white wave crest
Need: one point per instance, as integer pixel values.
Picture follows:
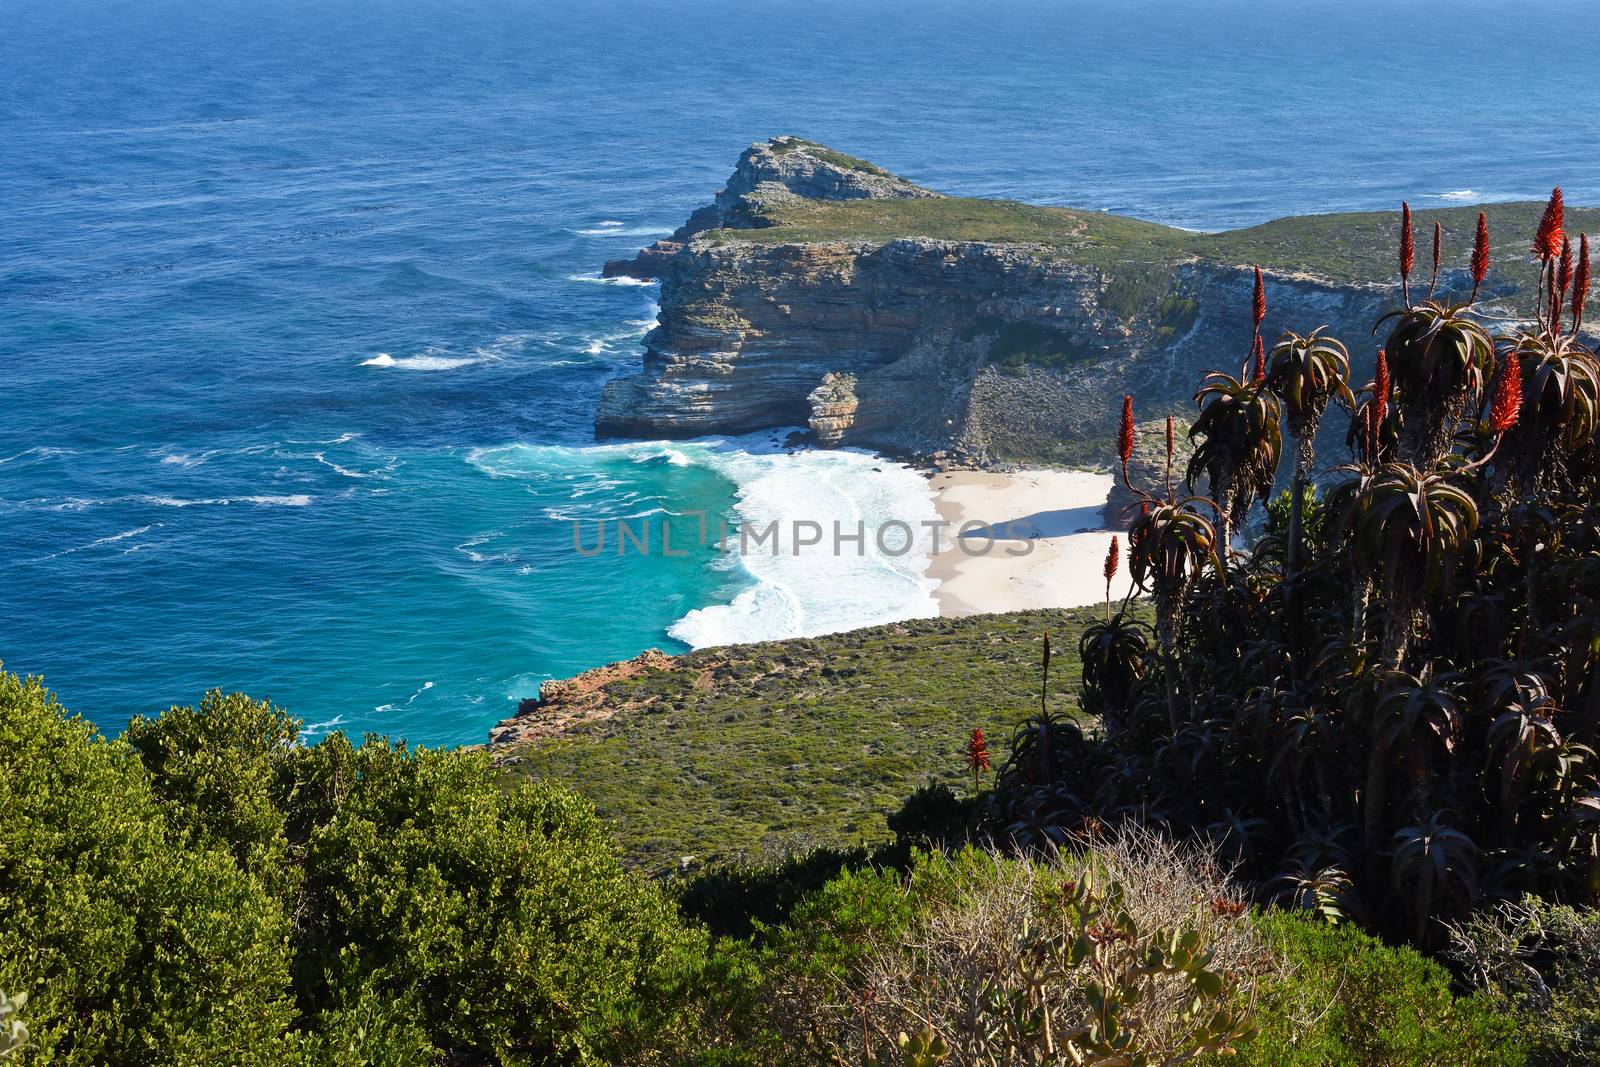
(37, 452)
(79, 503)
(315, 728)
(469, 548)
(113, 539)
(595, 279)
(823, 588)
(287, 500)
(423, 361)
(619, 230)
(1459, 195)
(390, 707)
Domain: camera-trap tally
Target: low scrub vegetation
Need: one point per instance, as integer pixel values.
(206, 890)
(793, 745)
(1343, 248)
(1540, 962)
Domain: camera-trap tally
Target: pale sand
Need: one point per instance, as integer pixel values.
(1057, 511)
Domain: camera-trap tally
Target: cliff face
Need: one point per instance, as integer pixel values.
(996, 349)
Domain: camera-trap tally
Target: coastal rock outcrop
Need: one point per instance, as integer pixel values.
(567, 702)
(994, 349)
(833, 408)
(996, 330)
(770, 176)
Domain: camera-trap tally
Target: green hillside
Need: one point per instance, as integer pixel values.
(810, 740)
(1340, 248)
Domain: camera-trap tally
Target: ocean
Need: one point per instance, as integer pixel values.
(301, 328)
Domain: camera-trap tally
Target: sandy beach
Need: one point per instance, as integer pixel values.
(1056, 512)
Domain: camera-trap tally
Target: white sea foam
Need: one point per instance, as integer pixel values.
(287, 500)
(1461, 195)
(390, 707)
(469, 548)
(595, 279)
(382, 472)
(79, 503)
(439, 358)
(113, 539)
(422, 361)
(604, 230)
(37, 452)
(820, 590)
(313, 729)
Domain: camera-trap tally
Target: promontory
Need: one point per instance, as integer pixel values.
(820, 290)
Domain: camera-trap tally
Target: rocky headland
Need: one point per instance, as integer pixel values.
(820, 290)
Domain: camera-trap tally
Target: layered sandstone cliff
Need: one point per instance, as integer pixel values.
(982, 328)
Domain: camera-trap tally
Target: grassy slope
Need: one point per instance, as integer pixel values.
(1343, 248)
(805, 739)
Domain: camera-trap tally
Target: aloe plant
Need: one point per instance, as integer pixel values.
(1306, 374)
(1393, 775)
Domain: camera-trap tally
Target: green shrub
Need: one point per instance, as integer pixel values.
(1346, 998)
(207, 890)
(223, 772)
(506, 916)
(934, 817)
(132, 948)
(1541, 961)
(736, 897)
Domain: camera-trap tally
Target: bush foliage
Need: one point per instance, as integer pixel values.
(206, 890)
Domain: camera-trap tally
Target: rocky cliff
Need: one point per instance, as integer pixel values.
(991, 330)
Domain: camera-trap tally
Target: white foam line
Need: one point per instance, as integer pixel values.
(425, 361)
(624, 231)
(78, 503)
(315, 728)
(40, 451)
(123, 536)
(595, 279)
(390, 707)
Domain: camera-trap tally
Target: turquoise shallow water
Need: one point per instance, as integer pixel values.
(299, 337)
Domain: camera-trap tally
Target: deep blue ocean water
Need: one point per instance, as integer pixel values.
(300, 340)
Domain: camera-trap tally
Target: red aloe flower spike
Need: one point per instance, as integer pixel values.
(977, 755)
(1259, 373)
(1380, 403)
(1125, 435)
(1507, 403)
(1480, 255)
(1580, 284)
(1111, 571)
(1258, 304)
(1408, 251)
(1564, 271)
(1547, 241)
(1438, 249)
